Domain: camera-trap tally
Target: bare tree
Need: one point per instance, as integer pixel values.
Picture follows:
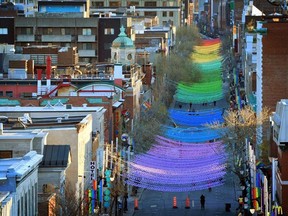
(148, 126)
(68, 204)
(239, 126)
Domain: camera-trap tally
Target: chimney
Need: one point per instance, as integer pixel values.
(59, 119)
(48, 72)
(1, 128)
(39, 78)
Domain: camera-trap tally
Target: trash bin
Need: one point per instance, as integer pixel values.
(227, 207)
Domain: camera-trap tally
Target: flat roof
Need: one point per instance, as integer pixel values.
(19, 167)
(21, 134)
(50, 109)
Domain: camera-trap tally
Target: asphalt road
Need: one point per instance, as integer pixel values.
(161, 203)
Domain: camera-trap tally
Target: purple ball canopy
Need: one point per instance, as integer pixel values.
(177, 166)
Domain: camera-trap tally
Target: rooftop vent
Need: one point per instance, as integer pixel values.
(66, 116)
(68, 106)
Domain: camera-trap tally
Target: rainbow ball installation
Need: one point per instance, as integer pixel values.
(191, 156)
(208, 60)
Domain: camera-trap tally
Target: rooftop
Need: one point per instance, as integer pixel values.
(19, 167)
(24, 134)
(56, 156)
(50, 108)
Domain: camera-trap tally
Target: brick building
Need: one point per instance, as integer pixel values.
(274, 63)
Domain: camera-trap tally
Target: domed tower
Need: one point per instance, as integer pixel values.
(123, 50)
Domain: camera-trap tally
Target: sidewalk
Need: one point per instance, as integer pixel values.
(131, 200)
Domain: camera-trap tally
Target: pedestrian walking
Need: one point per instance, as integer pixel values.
(125, 202)
(240, 202)
(202, 201)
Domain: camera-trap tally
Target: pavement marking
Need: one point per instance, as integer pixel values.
(153, 206)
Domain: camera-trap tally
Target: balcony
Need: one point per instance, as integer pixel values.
(86, 38)
(87, 53)
(25, 38)
(56, 38)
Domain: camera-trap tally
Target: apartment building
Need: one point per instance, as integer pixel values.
(58, 31)
(169, 12)
(19, 178)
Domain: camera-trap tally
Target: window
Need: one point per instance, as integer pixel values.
(109, 31)
(171, 14)
(86, 31)
(107, 46)
(26, 31)
(150, 13)
(62, 31)
(133, 3)
(129, 56)
(47, 31)
(3, 31)
(5, 154)
(98, 4)
(115, 4)
(87, 46)
(1, 93)
(18, 203)
(33, 200)
(9, 94)
(22, 204)
(63, 44)
(164, 14)
(150, 4)
(115, 56)
(69, 31)
(26, 203)
(171, 3)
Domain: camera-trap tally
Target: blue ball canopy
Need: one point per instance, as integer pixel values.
(196, 118)
(196, 135)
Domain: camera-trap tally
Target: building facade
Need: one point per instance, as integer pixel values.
(59, 31)
(20, 178)
(280, 159)
(168, 12)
